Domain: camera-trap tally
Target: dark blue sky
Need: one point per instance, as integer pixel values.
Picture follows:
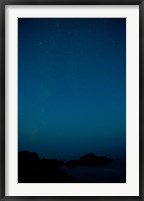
(72, 86)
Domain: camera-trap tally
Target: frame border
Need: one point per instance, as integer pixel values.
(3, 3)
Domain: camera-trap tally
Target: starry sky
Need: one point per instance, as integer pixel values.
(72, 86)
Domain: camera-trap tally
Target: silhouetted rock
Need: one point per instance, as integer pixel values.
(33, 170)
(52, 162)
(72, 163)
(28, 156)
(89, 160)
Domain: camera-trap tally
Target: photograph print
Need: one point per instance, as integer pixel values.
(71, 100)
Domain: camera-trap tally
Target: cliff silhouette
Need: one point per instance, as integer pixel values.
(32, 169)
(90, 160)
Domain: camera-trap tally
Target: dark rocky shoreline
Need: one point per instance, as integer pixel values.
(32, 169)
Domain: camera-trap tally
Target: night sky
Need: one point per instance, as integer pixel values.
(72, 86)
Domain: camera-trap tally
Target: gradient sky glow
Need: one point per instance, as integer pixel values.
(72, 86)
